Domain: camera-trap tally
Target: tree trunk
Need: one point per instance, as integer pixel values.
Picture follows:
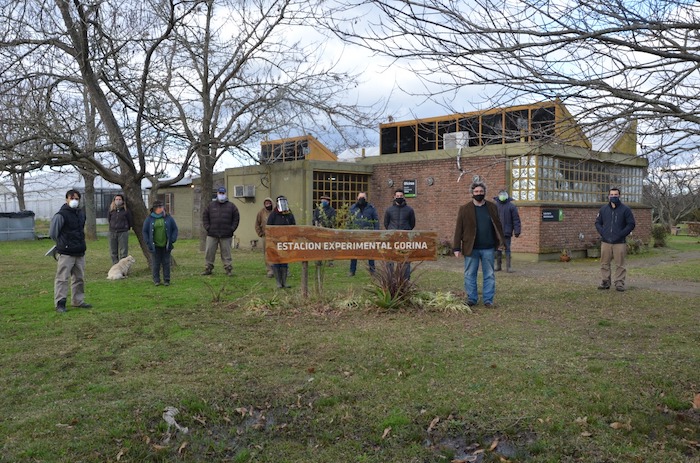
(18, 182)
(206, 162)
(89, 202)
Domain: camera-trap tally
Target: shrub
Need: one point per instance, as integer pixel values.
(392, 289)
(635, 246)
(659, 233)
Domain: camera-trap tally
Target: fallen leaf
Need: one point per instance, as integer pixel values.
(159, 447)
(200, 419)
(618, 425)
(433, 423)
(386, 432)
(120, 454)
(182, 447)
(242, 410)
(311, 370)
(583, 420)
(696, 401)
(494, 444)
(586, 434)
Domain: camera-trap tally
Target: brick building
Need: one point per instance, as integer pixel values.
(536, 152)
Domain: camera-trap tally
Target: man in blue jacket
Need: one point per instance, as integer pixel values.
(363, 216)
(510, 220)
(614, 222)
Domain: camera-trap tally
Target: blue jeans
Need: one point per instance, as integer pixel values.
(161, 258)
(471, 267)
(353, 266)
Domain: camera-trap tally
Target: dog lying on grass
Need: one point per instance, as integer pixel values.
(121, 269)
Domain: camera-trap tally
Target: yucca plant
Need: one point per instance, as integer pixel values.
(392, 286)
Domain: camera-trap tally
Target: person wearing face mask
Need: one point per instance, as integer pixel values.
(260, 222)
(478, 234)
(160, 234)
(362, 216)
(614, 222)
(67, 229)
(281, 215)
(120, 222)
(400, 216)
(324, 216)
(510, 219)
(220, 219)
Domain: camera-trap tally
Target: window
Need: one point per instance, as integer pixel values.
(341, 187)
(541, 178)
(169, 202)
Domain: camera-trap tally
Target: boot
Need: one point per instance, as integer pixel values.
(509, 269)
(278, 276)
(497, 267)
(284, 272)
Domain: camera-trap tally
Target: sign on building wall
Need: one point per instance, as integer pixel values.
(409, 188)
(298, 243)
(552, 215)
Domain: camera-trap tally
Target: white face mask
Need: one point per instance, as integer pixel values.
(502, 197)
(73, 203)
(221, 197)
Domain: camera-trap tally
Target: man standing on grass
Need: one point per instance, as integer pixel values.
(614, 222)
(400, 216)
(67, 229)
(260, 222)
(478, 233)
(220, 220)
(362, 216)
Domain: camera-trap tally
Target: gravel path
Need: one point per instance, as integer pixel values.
(581, 271)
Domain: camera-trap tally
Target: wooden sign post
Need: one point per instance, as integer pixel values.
(301, 243)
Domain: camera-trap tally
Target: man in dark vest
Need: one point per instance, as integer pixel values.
(68, 231)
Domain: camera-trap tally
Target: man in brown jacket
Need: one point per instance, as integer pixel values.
(260, 222)
(478, 234)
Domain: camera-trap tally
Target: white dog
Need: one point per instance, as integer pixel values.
(121, 269)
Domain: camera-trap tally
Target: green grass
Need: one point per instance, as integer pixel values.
(266, 376)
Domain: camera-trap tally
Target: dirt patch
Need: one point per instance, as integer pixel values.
(580, 271)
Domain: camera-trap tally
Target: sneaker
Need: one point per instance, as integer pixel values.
(229, 273)
(167, 283)
(620, 288)
(604, 285)
(471, 303)
(157, 283)
(61, 306)
(83, 305)
(488, 305)
(351, 274)
(206, 272)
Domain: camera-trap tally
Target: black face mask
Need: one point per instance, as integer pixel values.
(362, 202)
(269, 208)
(479, 198)
(400, 201)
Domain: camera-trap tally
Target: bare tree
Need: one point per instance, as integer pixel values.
(606, 60)
(673, 192)
(172, 84)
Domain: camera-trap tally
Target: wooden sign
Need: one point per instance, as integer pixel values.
(298, 243)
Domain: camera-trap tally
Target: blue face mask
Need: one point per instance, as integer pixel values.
(324, 203)
(615, 200)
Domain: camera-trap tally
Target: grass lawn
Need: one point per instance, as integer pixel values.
(558, 372)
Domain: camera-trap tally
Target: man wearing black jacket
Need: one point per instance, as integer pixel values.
(614, 222)
(68, 231)
(220, 220)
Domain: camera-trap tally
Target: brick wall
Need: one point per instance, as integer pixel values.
(436, 205)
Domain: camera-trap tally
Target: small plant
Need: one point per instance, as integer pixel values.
(635, 246)
(393, 288)
(445, 247)
(659, 233)
(565, 255)
(441, 302)
(216, 295)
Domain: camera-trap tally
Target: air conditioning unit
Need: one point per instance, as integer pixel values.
(454, 140)
(244, 191)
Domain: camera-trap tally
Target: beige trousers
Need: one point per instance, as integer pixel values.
(73, 268)
(608, 253)
(210, 253)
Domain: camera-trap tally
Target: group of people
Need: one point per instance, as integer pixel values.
(483, 233)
